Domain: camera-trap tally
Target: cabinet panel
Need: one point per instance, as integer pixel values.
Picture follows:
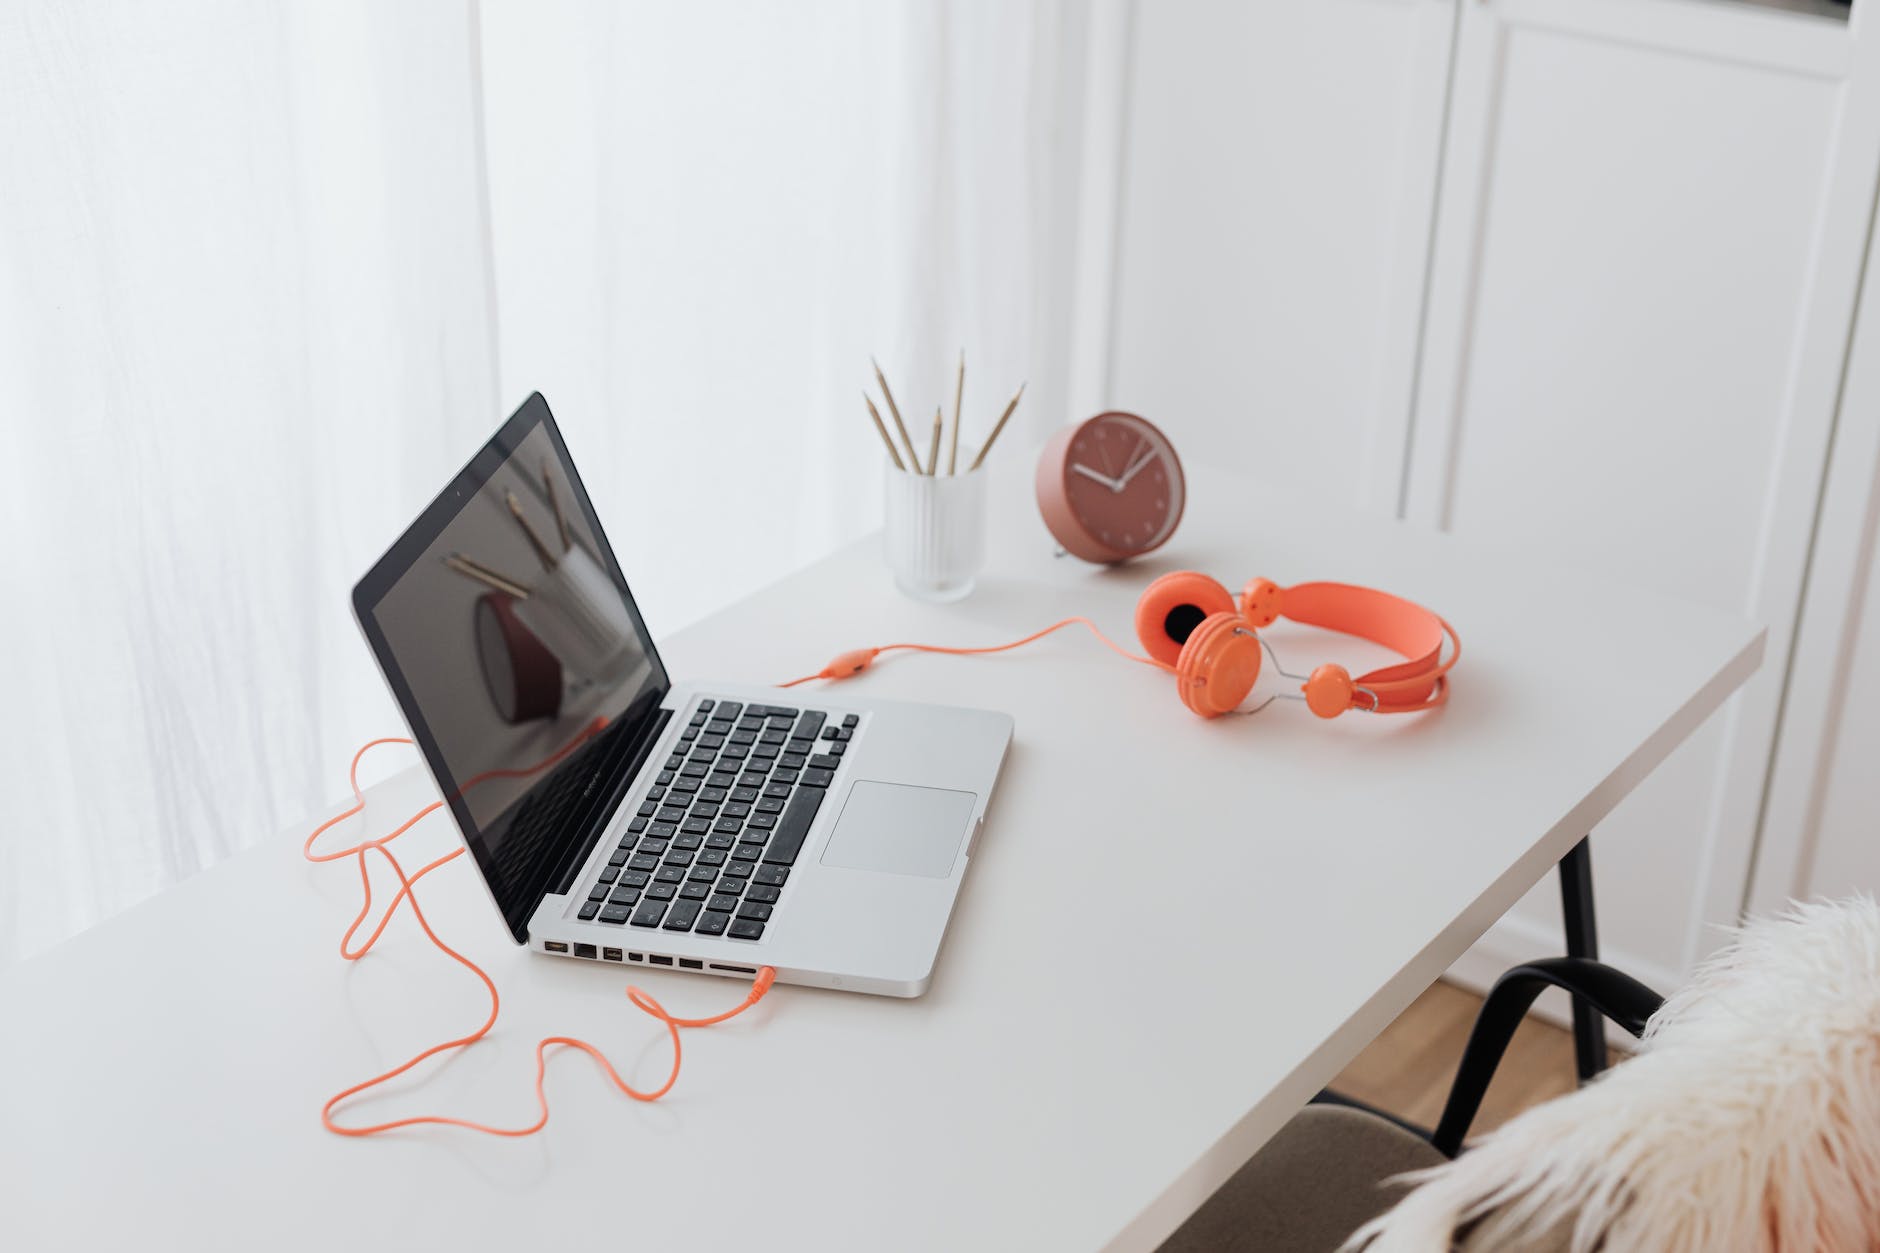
(1646, 248)
(1274, 224)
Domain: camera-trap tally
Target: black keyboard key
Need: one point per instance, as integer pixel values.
(643, 861)
(836, 750)
(688, 735)
(616, 914)
(637, 825)
(738, 870)
(712, 922)
(701, 874)
(772, 737)
(808, 724)
(711, 741)
(719, 840)
(742, 929)
(588, 911)
(761, 822)
(619, 856)
(649, 808)
(763, 752)
(727, 709)
(706, 703)
(712, 796)
(683, 786)
(698, 719)
(675, 761)
(626, 896)
(754, 911)
(706, 812)
(635, 878)
(682, 915)
(695, 891)
(728, 826)
(663, 830)
(771, 876)
(697, 826)
(793, 761)
(672, 813)
(733, 753)
(764, 893)
(661, 892)
(609, 873)
(669, 874)
(849, 720)
(785, 776)
(658, 794)
(650, 914)
(798, 815)
(779, 711)
(688, 842)
(679, 857)
(599, 891)
(844, 735)
(653, 848)
(781, 791)
(693, 769)
(817, 778)
(722, 902)
(770, 805)
(825, 762)
(744, 794)
(830, 733)
(712, 857)
(803, 746)
(744, 737)
(731, 887)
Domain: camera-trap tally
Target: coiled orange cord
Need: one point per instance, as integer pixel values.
(765, 977)
(856, 660)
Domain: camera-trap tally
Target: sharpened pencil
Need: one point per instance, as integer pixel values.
(933, 454)
(554, 501)
(959, 394)
(882, 430)
(535, 541)
(489, 578)
(894, 411)
(996, 428)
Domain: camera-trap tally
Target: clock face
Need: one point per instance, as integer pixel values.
(1115, 489)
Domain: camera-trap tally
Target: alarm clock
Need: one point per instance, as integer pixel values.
(1110, 488)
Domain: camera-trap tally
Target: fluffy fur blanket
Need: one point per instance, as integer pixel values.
(1749, 1119)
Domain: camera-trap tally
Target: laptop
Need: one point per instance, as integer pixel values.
(620, 818)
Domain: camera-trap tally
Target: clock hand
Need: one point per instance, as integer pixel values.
(1088, 473)
(1135, 468)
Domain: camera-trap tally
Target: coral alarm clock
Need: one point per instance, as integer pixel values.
(1110, 488)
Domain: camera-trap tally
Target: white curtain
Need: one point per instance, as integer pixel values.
(270, 271)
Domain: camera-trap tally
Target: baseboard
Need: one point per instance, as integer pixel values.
(1514, 939)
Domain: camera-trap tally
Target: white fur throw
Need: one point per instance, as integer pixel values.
(1749, 1119)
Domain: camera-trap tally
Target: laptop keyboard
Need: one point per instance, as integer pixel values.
(711, 847)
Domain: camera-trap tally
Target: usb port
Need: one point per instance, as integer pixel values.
(584, 950)
(691, 963)
(660, 961)
(611, 954)
(554, 946)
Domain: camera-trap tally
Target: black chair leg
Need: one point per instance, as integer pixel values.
(1576, 904)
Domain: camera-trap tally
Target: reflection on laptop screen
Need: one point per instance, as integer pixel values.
(517, 653)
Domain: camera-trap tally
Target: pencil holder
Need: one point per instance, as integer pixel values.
(935, 531)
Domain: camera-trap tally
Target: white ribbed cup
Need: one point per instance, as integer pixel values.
(935, 531)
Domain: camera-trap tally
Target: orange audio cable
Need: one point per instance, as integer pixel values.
(847, 665)
(406, 893)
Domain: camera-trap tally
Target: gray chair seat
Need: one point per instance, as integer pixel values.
(1313, 1184)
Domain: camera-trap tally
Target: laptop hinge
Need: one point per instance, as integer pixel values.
(599, 811)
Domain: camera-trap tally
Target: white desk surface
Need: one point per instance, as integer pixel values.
(1176, 932)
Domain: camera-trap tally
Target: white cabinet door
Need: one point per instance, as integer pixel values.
(1647, 251)
(1278, 177)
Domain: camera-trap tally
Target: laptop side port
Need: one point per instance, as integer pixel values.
(612, 954)
(585, 950)
(691, 963)
(636, 957)
(657, 960)
(554, 946)
(736, 970)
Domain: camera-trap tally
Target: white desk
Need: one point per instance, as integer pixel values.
(1177, 932)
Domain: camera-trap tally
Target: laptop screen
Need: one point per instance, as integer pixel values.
(506, 631)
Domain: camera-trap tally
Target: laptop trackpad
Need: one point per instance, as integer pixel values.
(900, 829)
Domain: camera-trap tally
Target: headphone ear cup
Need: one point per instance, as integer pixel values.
(1173, 607)
(1218, 665)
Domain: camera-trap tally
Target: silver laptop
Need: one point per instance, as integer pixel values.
(620, 818)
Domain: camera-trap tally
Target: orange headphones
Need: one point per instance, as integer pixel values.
(1192, 627)
(1190, 624)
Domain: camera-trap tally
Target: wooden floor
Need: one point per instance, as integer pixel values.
(1407, 1070)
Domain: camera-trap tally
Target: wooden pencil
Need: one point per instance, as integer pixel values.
(959, 394)
(554, 501)
(894, 411)
(882, 430)
(996, 428)
(933, 454)
(535, 541)
(488, 578)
